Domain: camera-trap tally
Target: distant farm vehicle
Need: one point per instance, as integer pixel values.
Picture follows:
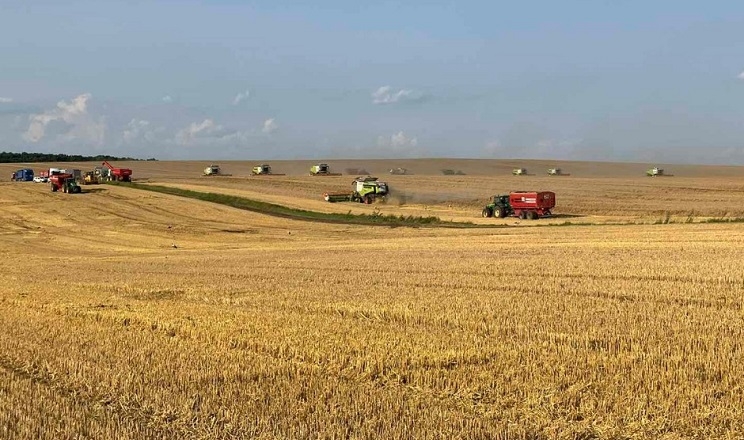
(449, 172)
(398, 171)
(523, 204)
(322, 169)
(656, 172)
(264, 170)
(519, 171)
(24, 175)
(91, 178)
(365, 190)
(556, 172)
(214, 170)
(118, 174)
(65, 182)
(41, 179)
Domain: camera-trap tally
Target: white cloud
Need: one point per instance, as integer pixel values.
(242, 96)
(167, 99)
(5, 100)
(137, 129)
(397, 141)
(741, 75)
(206, 128)
(386, 95)
(270, 126)
(79, 124)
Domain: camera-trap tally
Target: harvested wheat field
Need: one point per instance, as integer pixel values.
(134, 314)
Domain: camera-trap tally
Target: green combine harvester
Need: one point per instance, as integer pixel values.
(366, 190)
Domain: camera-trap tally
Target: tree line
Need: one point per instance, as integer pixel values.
(8, 157)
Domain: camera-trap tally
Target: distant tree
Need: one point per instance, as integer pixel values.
(24, 157)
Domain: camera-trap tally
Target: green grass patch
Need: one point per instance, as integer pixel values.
(374, 219)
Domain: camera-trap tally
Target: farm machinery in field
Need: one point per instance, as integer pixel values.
(65, 182)
(365, 190)
(214, 170)
(655, 172)
(556, 172)
(264, 170)
(519, 172)
(115, 173)
(322, 169)
(523, 204)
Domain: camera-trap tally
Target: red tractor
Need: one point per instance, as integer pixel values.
(119, 174)
(65, 182)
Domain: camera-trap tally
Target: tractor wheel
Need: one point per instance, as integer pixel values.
(76, 190)
(487, 213)
(499, 212)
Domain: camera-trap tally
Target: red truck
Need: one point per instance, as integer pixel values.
(523, 204)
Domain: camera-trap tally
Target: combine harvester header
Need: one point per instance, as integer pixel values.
(365, 190)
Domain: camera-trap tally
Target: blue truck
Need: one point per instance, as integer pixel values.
(24, 175)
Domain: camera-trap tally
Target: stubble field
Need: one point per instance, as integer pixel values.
(132, 314)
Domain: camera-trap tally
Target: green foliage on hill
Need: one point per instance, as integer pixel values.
(8, 157)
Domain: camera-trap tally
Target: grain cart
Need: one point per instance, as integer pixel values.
(523, 204)
(65, 182)
(264, 170)
(322, 169)
(519, 171)
(365, 190)
(118, 174)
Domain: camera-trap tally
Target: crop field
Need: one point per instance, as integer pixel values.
(134, 314)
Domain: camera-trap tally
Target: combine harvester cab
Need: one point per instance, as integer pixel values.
(655, 172)
(519, 172)
(523, 204)
(322, 169)
(366, 190)
(264, 170)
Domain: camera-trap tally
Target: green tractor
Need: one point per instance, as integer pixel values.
(66, 183)
(499, 208)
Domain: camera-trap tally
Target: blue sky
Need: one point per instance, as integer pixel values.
(595, 80)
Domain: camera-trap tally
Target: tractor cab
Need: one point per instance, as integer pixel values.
(501, 200)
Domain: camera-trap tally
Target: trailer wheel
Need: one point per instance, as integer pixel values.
(522, 215)
(54, 188)
(487, 213)
(534, 215)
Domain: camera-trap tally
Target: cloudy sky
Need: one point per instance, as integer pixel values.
(652, 81)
